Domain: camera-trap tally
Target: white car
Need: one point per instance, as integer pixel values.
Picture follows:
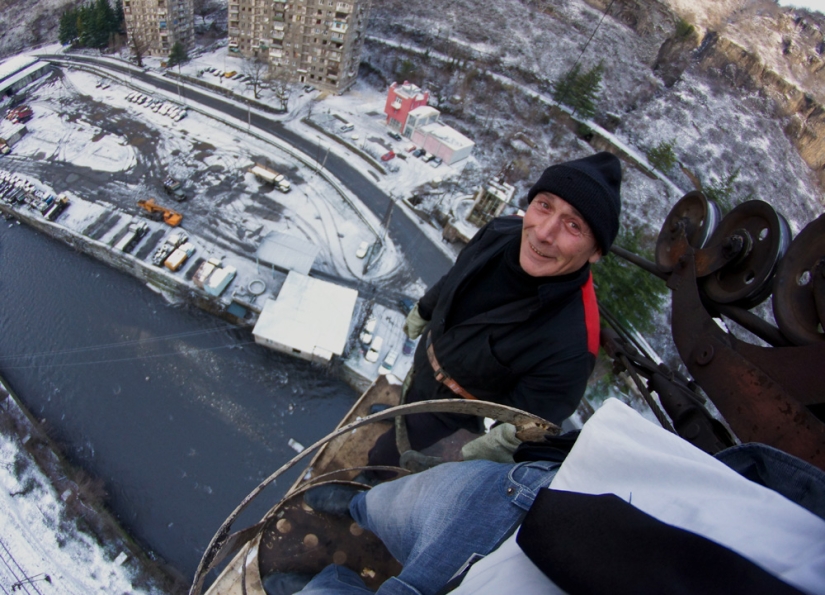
(388, 363)
(369, 330)
(374, 350)
(362, 249)
(180, 116)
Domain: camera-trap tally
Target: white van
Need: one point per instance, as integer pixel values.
(346, 127)
(374, 350)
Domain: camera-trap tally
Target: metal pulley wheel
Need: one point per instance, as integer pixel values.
(764, 236)
(700, 217)
(799, 287)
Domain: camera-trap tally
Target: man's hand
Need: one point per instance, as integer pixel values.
(414, 324)
(497, 445)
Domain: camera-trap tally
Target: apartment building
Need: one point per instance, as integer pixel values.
(158, 24)
(316, 42)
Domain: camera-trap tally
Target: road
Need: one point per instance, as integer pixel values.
(425, 259)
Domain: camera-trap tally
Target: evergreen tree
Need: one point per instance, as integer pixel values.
(630, 293)
(177, 55)
(563, 88)
(91, 25)
(67, 31)
(580, 90)
(120, 17)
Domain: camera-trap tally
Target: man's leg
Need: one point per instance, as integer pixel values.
(432, 522)
(336, 580)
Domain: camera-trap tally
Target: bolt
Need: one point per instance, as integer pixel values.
(732, 246)
(705, 355)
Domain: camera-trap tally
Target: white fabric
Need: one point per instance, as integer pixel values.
(621, 453)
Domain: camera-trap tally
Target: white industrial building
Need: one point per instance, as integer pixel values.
(310, 318)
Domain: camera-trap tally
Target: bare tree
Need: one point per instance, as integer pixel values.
(256, 69)
(202, 8)
(281, 84)
(139, 47)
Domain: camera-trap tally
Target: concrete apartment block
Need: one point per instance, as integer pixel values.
(158, 24)
(315, 42)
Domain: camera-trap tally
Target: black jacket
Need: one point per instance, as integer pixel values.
(535, 354)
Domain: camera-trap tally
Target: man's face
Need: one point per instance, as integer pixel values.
(555, 238)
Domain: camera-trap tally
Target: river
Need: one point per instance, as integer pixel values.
(175, 410)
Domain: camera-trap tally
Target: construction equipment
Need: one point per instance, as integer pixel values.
(159, 213)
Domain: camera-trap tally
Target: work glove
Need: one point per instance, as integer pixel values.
(414, 324)
(497, 445)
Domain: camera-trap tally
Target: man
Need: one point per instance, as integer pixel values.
(632, 508)
(515, 320)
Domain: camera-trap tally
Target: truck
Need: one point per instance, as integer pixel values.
(179, 256)
(167, 247)
(270, 176)
(20, 114)
(59, 205)
(174, 189)
(159, 213)
(136, 231)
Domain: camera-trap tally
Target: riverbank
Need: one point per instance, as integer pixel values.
(236, 305)
(56, 530)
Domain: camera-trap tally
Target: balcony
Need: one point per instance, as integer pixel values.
(338, 27)
(277, 35)
(334, 56)
(343, 7)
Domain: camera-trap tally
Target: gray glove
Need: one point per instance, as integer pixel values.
(497, 445)
(414, 324)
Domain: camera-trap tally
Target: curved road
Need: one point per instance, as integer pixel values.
(426, 260)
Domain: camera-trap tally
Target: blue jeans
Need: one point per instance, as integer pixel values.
(432, 522)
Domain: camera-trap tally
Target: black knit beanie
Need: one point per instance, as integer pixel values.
(592, 186)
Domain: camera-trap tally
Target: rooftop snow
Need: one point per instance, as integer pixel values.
(309, 315)
(449, 136)
(287, 252)
(14, 65)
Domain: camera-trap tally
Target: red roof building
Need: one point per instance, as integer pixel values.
(401, 100)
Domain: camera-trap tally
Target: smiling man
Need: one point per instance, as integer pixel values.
(515, 321)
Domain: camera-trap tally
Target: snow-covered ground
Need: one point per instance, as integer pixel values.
(43, 549)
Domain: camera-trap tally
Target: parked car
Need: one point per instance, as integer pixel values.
(374, 350)
(388, 156)
(418, 152)
(388, 363)
(409, 346)
(362, 249)
(368, 330)
(308, 88)
(435, 162)
(427, 157)
(393, 135)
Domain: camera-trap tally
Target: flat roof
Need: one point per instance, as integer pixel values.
(449, 136)
(424, 110)
(309, 315)
(14, 65)
(286, 252)
(11, 80)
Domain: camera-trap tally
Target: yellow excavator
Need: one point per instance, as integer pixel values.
(159, 213)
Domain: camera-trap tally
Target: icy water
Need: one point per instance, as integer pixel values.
(174, 409)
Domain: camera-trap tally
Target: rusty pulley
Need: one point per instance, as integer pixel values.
(755, 237)
(698, 216)
(799, 286)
